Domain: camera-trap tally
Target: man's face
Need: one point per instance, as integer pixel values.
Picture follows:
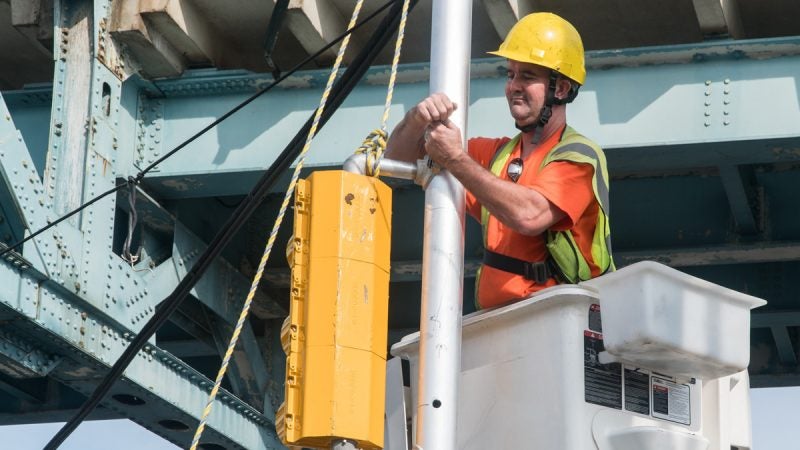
(526, 87)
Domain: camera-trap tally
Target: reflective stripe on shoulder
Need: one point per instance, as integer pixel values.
(576, 148)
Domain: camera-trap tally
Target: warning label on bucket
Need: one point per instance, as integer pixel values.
(602, 382)
(671, 401)
(637, 392)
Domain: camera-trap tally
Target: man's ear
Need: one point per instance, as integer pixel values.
(563, 87)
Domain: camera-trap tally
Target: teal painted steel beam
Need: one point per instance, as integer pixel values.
(774, 380)
(775, 318)
(783, 342)
(85, 314)
(187, 348)
(43, 400)
(738, 183)
(68, 292)
(717, 255)
(657, 108)
(191, 321)
(652, 108)
(49, 253)
(224, 288)
(30, 110)
(728, 254)
(246, 370)
(90, 342)
(31, 361)
(89, 332)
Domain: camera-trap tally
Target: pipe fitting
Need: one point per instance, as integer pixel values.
(357, 163)
(425, 171)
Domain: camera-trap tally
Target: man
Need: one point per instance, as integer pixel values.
(542, 197)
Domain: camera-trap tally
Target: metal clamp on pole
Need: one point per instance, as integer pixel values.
(426, 169)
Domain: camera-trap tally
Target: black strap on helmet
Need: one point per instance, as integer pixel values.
(547, 109)
(573, 92)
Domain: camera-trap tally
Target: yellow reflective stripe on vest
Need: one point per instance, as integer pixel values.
(496, 166)
(576, 148)
(561, 245)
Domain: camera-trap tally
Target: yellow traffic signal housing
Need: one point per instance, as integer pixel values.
(335, 335)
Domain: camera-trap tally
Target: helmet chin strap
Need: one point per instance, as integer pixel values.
(546, 112)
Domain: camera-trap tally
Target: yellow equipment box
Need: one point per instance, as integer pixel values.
(335, 335)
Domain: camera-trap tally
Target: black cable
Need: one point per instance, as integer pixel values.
(253, 199)
(138, 178)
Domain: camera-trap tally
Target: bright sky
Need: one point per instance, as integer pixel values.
(775, 418)
(775, 427)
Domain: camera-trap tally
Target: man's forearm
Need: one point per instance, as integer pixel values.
(406, 141)
(518, 207)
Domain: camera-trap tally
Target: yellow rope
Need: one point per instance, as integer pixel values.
(374, 145)
(274, 233)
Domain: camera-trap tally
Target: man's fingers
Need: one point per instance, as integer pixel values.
(443, 106)
(443, 129)
(445, 123)
(435, 108)
(424, 113)
(428, 111)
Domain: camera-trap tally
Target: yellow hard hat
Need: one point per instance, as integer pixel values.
(547, 40)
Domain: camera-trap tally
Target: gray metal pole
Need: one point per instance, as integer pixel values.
(443, 248)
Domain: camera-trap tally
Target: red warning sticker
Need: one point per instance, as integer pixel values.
(671, 401)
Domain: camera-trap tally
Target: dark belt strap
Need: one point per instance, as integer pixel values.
(537, 271)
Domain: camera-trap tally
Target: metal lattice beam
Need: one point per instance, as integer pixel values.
(71, 303)
(706, 98)
(90, 342)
